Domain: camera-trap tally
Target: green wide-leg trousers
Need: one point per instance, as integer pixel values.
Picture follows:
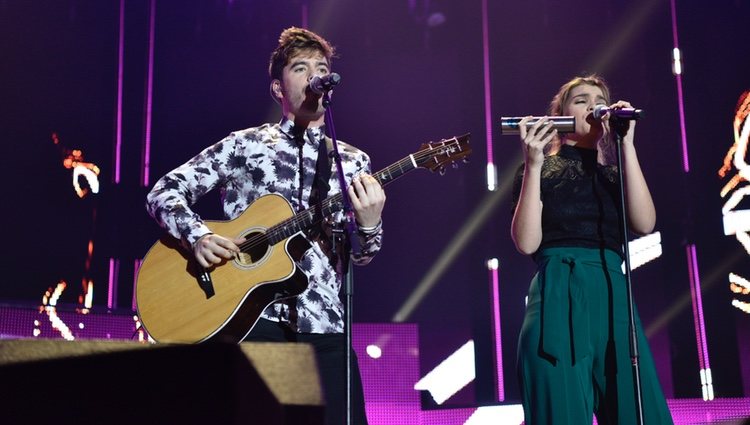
(573, 353)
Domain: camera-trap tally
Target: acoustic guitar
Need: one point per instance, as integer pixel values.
(179, 301)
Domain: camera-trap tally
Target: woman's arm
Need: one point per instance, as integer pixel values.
(526, 228)
(641, 211)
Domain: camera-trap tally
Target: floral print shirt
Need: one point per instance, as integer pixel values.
(259, 161)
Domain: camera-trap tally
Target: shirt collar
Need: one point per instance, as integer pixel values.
(314, 134)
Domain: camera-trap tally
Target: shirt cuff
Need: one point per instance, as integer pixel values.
(192, 236)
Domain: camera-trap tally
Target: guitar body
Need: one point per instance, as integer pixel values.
(176, 305)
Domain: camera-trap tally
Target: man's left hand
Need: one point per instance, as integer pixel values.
(368, 200)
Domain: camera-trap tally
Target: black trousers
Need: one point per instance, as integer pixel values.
(330, 352)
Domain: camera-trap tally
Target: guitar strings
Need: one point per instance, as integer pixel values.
(294, 222)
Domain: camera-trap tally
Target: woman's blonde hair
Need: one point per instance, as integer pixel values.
(606, 145)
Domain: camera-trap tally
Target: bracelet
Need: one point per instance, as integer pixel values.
(371, 229)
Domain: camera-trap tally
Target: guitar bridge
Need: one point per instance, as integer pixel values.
(205, 282)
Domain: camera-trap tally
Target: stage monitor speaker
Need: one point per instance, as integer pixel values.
(107, 382)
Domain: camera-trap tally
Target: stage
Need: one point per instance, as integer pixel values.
(388, 357)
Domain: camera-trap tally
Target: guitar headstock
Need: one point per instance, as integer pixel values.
(436, 155)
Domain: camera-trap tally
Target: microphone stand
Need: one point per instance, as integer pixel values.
(620, 128)
(353, 246)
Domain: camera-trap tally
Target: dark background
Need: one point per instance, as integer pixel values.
(404, 83)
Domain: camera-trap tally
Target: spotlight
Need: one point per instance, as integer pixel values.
(435, 19)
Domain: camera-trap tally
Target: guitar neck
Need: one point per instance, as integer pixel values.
(315, 214)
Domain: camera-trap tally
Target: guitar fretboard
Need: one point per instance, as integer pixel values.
(315, 214)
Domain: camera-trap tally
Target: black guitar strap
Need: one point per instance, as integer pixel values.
(321, 181)
(321, 186)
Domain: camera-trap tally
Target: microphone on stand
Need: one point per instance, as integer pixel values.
(622, 113)
(320, 85)
(510, 125)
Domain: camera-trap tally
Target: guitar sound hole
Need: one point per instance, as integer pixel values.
(257, 249)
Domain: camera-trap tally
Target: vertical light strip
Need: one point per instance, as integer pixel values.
(493, 265)
(88, 298)
(491, 171)
(695, 285)
(700, 328)
(146, 156)
(120, 73)
(114, 272)
(677, 69)
(305, 15)
(136, 267)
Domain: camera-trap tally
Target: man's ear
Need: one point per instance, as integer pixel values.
(276, 92)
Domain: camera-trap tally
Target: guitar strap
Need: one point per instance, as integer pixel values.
(321, 181)
(299, 139)
(320, 189)
(320, 184)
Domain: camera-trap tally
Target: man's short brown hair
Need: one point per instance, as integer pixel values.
(292, 41)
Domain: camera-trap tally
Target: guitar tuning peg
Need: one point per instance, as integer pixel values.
(454, 165)
(441, 170)
(466, 160)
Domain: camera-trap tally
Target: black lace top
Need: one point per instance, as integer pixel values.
(579, 198)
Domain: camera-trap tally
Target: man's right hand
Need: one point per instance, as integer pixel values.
(212, 249)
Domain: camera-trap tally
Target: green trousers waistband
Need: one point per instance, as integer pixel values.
(564, 273)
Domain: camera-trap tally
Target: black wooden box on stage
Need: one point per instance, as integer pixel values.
(106, 382)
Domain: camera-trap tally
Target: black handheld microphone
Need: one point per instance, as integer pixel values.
(623, 113)
(320, 85)
(510, 125)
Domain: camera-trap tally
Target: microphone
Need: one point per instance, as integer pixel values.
(320, 85)
(622, 113)
(509, 125)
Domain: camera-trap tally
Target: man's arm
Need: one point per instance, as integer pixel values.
(368, 200)
(171, 197)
